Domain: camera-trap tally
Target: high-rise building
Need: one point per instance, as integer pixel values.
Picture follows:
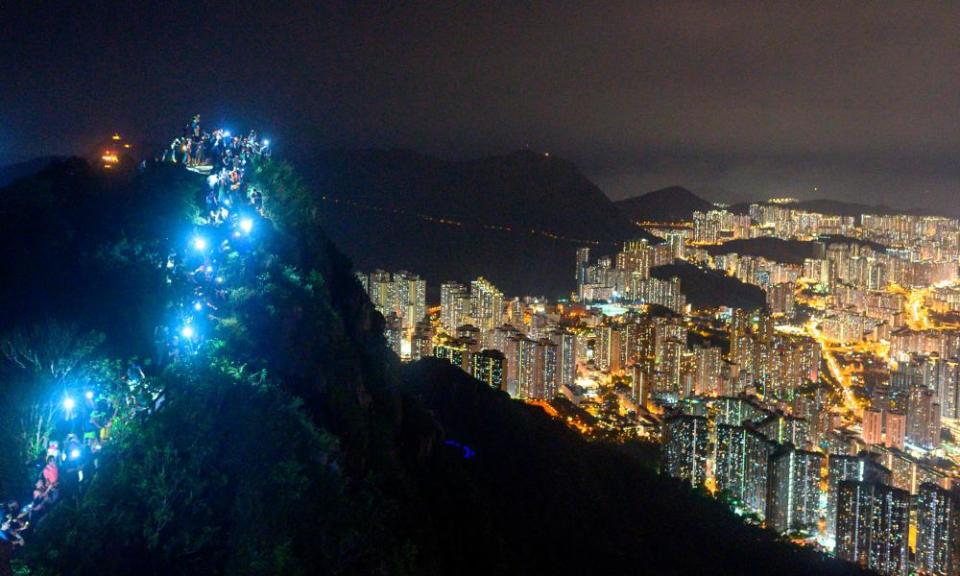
(938, 531)
(609, 352)
(742, 465)
(861, 468)
(786, 429)
(457, 351)
(873, 522)
(670, 344)
(884, 427)
(685, 445)
(947, 386)
(489, 367)
(737, 411)
(636, 257)
(393, 332)
(706, 227)
(454, 305)
(566, 343)
(923, 418)
(780, 298)
(402, 300)
(414, 304)
(583, 264)
(486, 304)
(544, 383)
(793, 489)
(421, 345)
(706, 380)
(520, 352)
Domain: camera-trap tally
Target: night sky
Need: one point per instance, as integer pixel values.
(860, 101)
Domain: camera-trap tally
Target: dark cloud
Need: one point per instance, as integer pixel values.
(858, 100)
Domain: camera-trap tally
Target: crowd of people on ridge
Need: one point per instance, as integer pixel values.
(223, 156)
(233, 210)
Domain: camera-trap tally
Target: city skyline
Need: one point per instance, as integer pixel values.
(480, 288)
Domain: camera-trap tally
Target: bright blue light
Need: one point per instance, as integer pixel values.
(187, 332)
(69, 403)
(266, 142)
(199, 243)
(89, 394)
(246, 224)
(74, 454)
(197, 306)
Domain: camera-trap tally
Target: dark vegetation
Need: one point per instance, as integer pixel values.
(710, 288)
(776, 249)
(15, 170)
(295, 443)
(787, 251)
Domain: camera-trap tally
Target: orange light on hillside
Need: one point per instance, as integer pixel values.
(110, 158)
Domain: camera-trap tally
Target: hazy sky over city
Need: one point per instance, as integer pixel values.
(736, 101)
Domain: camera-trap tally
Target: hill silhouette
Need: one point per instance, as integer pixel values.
(516, 219)
(15, 170)
(710, 288)
(787, 251)
(671, 204)
(299, 445)
(852, 209)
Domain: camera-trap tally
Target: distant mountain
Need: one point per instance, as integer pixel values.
(516, 219)
(841, 208)
(17, 170)
(664, 205)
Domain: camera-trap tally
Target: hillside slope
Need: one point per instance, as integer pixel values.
(333, 458)
(534, 498)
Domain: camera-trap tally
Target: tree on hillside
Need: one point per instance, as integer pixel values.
(41, 362)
